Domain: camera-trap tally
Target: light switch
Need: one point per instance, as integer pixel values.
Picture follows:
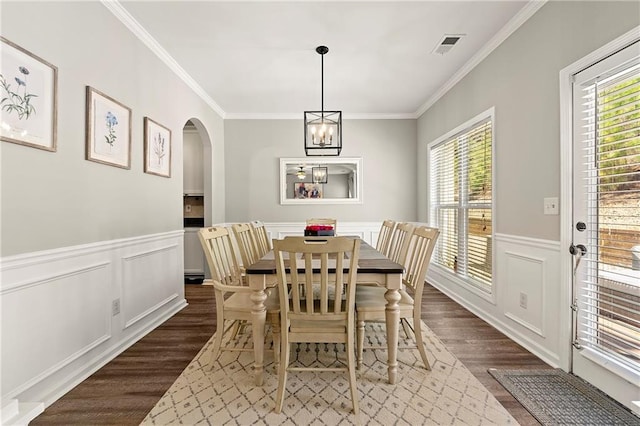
(187, 208)
(551, 205)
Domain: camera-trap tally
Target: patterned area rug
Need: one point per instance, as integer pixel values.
(558, 398)
(226, 394)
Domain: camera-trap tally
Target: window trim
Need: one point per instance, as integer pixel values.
(469, 283)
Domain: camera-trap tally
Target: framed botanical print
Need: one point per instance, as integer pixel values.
(108, 128)
(157, 148)
(28, 102)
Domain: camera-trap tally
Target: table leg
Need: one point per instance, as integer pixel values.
(392, 321)
(258, 319)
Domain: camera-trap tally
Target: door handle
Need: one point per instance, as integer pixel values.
(577, 251)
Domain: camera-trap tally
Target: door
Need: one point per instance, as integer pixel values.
(606, 225)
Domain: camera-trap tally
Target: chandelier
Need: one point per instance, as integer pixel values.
(322, 129)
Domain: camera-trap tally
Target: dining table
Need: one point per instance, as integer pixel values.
(373, 268)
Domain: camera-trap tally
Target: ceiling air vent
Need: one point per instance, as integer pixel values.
(447, 42)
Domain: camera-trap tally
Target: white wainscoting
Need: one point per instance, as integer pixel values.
(523, 267)
(368, 231)
(58, 324)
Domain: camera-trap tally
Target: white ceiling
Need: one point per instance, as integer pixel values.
(258, 58)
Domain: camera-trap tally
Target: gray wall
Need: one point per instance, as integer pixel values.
(59, 199)
(254, 147)
(521, 79)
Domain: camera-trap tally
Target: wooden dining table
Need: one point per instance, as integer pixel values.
(373, 268)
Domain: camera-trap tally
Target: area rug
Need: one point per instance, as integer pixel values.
(226, 394)
(554, 397)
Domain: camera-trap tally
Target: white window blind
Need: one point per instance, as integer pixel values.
(609, 305)
(461, 202)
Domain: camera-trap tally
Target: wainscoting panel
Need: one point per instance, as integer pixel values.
(148, 282)
(524, 303)
(59, 317)
(69, 315)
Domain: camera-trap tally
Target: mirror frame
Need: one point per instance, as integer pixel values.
(284, 162)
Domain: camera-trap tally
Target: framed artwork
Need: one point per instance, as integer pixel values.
(307, 190)
(28, 103)
(108, 130)
(157, 148)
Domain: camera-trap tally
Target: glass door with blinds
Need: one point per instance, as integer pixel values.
(606, 224)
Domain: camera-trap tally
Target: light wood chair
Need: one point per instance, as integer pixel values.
(371, 303)
(324, 221)
(384, 237)
(233, 297)
(316, 316)
(399, 242)
(262, 237)
(246, 243)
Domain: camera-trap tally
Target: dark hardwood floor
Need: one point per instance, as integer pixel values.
(125, 390)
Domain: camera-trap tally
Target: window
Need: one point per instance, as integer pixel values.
(460, 165)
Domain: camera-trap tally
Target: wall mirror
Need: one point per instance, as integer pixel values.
(320, 180)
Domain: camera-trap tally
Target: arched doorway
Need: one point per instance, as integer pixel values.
(196, 196)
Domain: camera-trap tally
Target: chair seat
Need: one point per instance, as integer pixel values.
(371, 300)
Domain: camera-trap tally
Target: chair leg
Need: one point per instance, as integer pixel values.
(282, 371)
(275, 330)
(360, 343)
(406, 327)
(236, 329)
(217, 342)
(352, 373)
(417, 327)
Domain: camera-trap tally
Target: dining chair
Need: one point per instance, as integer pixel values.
(233, 297)
(371, 303)
(246, 243)
(384, 237)
(321, 316)
(324, 221)
(261, 236)
(399, 242)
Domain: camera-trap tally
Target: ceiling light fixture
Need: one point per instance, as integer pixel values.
(301, 173)
(322, 129)
(319, 174)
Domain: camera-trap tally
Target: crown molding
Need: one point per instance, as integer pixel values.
(134, 26)
(299, 116)
(520, 18)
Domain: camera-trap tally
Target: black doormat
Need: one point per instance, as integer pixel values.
(554, 397)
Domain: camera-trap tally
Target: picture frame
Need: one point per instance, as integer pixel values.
(29, 98)
(108, 130)
(307, 190)
(157, 148)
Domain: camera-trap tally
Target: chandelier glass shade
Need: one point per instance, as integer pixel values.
(322, 129)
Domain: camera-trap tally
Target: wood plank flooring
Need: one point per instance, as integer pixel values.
(125, 390)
